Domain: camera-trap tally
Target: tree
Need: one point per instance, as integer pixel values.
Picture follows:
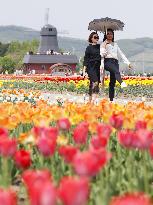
(17, 50)
(79, 66)
(7, 64)
(3, 48)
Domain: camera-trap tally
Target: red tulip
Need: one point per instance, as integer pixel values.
(141, 138)
(104, 130)
(90, 162)
(116, 121)
(145, 138)
(127, 137)
(42, 193)
(22, 159)
(7, 147)
(141, 125)
(68, 152)
(74, 191)
(8, 197)
(64, 124)
(31, 176)
(46, 146)
(131, 199)
(80, 133)
(98, 142)
(102, 156)
(41, 190)
(3, 133)
(43, 132)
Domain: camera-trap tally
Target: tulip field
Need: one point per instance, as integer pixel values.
(137, 86)
(74, 153)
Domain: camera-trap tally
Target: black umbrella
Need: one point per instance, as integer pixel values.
(106, 23)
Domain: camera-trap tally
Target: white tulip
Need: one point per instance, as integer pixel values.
(8, 98)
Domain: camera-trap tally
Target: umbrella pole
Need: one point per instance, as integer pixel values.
(105, 30)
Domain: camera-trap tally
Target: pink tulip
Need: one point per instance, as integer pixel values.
(45, 132)
(68, 152)
(64, 124)
(141, 125)
(8, 197)
(42, 193)
(104, 130)
(90, 162)
(31, 176)
(46, 146)
(131, 199)
(116, 120)
(80, 133)
(74, 191)
(7, 147)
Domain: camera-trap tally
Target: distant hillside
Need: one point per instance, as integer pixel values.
(137, 50)
(13, 33)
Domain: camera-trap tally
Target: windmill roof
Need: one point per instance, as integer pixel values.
(43, 58)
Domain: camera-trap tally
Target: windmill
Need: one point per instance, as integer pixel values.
(46, 16)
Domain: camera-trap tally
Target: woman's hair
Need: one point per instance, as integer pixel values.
(91, 36)
(105, 35)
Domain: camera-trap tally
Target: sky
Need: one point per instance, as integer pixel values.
(75, 15)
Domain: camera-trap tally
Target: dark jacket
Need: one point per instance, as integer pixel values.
(92, 56)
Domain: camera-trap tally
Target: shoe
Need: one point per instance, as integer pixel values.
(123, 85)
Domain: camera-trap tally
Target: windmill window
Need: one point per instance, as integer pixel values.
(43, 67)
(50, 29)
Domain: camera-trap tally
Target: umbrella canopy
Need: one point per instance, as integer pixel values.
(106, 23)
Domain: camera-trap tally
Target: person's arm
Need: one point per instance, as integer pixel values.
(102, 72)
(86, 60)
(103, 51)
(86, 57)
(125, 60)
(84, 71)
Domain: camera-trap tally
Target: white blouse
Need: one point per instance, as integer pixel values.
(112, 51)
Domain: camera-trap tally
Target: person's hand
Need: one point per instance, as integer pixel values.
(102, 75)
(85, 75)
(130, 66)
(105, 43)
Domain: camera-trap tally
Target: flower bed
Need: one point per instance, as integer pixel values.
(13, 95)
(137, 86)
(76, 154)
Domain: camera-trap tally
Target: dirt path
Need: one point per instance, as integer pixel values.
(53, 97)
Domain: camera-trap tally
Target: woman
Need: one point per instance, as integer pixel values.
(92, 61)
(109, 50)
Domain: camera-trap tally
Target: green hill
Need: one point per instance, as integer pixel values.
(139, 51)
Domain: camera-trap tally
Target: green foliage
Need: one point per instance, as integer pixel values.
(7, 64)
(128, 171)
(129, 92)
(16, 46)
(17, 50)
(3, 49)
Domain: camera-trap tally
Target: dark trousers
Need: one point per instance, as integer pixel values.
(93, 87)
(94, 77)
(111, 65)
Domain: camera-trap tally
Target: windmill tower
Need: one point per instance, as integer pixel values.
(48, 37)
